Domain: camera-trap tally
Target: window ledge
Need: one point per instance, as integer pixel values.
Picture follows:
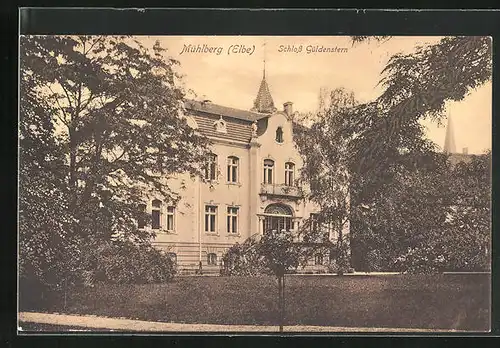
(166, 232)
(233, 235)
(212, 233)
(229, 183)
(211, 182)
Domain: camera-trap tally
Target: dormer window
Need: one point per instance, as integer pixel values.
(220, 125)
(279, 135)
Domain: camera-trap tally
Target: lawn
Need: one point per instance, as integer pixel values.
(407, 301)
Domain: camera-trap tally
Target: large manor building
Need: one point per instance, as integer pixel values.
(251, 186)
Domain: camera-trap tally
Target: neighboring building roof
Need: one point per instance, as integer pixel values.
(219, 110)
(264, 102)
(456, 158)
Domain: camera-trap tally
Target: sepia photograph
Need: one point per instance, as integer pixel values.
(264, 184)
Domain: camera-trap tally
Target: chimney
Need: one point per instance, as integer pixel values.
(465, 150)
(288, 108)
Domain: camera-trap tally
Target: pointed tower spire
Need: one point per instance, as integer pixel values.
(264, 72)
(264, 102)
(449, 140)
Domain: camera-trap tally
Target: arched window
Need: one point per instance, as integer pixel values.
(232, 169)
(289, 173)
(268, 171)
(156, 214)
(279, 135)
(318, 259)
(278, 217)
(211, 167)
(212, 259)
(278, 209)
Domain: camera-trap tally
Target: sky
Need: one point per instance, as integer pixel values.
(231, 78)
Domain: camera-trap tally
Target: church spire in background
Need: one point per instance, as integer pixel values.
(264, 102)
(449, 140)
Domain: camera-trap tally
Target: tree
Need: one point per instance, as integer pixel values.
(45, 246)
(382, 143)
(326, 168)
(417, 86)
(466, 243)
(276, 253)
(387, 222)
(113, 134)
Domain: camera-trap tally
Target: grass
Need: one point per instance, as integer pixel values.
(458, 302)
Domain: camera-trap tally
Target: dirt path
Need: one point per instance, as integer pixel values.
(120, 324)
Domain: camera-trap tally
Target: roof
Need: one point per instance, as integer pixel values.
(456, 158)
(236, 129)
(264, 102)
(219, 110)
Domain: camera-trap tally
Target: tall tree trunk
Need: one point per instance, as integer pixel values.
(72, 161)
(73, 187)
(280, 301)
(340, 257)
(283, 302)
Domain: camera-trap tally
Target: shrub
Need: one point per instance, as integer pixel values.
(125, 262)
(333, 267)
(420, 260)
(243, 259)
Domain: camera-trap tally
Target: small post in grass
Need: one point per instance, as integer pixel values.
(280, 300)
(65, 290)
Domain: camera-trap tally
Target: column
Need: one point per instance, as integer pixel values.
(254, 187)
(261, 224)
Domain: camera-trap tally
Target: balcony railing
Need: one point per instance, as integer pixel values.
(281, 190)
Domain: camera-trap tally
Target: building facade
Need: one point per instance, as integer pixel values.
(251, 185)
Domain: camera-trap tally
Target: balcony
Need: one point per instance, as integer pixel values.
(281, 190)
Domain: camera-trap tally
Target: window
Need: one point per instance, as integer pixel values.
(173, 257)
(220, 125)
(314, 222)
(279, 135)
(232, 169)
(318, 259)
(211, 168)
(289, 173)
(210, 218)
(141, 221)
(212, 259)
(232, 220)
(333, 255)
(156, 214)
(170, 218)
(268, 171)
